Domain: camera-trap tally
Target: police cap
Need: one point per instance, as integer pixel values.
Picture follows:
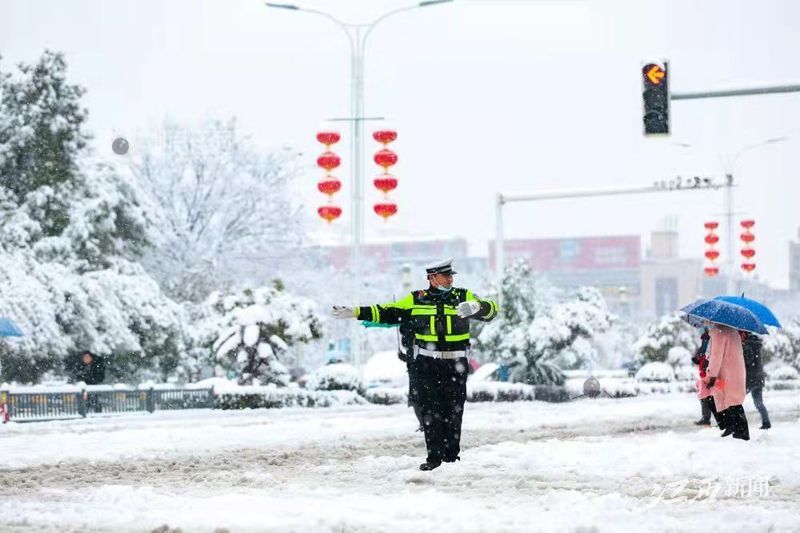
(441, 267)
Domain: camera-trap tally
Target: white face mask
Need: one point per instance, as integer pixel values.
(444, 289)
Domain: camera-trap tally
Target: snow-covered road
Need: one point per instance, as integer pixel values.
(603, 465)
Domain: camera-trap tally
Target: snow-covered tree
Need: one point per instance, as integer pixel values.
(669, 332)
(41, 137)
(119, 313)
(217, 203)
(783, 344)
(538, 323)
(71, 228)
(252, 331)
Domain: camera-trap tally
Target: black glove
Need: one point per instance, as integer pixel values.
(711, 381)
(696, 359)
(403, 356)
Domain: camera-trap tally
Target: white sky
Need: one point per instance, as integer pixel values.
(486, 96)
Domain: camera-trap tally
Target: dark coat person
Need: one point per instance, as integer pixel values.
(91, 369)
(755, 376)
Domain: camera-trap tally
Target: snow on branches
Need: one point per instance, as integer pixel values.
(252, 331)
(539, 324)
(216, 204)
(669, 332)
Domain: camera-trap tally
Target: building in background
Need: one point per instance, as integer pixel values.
(668, 281)
(611, 264)
(400, 256)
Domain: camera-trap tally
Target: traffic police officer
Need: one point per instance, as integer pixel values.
(439, 317)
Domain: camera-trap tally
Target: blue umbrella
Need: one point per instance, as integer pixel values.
(727, 314)
(9, 329)
(757, 308)
(693, 320)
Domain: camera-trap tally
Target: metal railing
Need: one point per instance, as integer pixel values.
(24, 406)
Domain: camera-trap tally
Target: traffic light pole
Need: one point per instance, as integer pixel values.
(775, 89)
(506, 198)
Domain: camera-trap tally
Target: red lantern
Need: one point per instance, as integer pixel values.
(385, 183)
(711, 225)
(747, 237)
(712, 238)
(748, 267)
(712, 255)
(385, 158)
(328, 161)
(747, 224)
(385, 209)
(748, 253)
(329, 212)
(384, 136)
(329, 185)
(328, 137)
(711, 271)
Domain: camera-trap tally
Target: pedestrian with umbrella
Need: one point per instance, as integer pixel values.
(726, 370)
(751, 347)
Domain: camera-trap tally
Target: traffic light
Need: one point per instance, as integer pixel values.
(655, 93)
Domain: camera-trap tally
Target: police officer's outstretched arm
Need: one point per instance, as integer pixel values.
(474, 307)
(389, 313)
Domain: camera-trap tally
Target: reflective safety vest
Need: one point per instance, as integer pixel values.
(433, 317)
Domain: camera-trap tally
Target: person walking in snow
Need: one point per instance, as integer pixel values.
(440, 320)
(726, 379)
(707, 407)
(754, 368)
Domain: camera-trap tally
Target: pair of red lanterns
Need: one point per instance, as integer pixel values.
(748, 252)
(330, 185)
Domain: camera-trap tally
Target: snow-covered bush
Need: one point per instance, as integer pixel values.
(661, 372)
(339, 376)
(783, 344)
(493, 391)
(660, 337)
(252, 331)
(540, 327)
(678, 356)
(686, 373)
(783, 372)
(387, 395)
(271, 397)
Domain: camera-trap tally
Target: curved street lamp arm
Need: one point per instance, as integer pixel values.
(343, 25)
(380, 19)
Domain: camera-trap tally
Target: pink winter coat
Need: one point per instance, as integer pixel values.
(726, 363)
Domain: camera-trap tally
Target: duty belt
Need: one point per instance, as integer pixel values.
(436, 354)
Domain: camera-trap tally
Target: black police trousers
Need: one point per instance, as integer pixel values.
(441, 393)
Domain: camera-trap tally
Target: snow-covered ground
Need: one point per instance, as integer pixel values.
(633, 464)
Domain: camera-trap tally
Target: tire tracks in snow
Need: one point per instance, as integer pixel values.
(350, 463)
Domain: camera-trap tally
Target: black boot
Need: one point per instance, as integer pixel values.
(725, 423)
(702, 422)
(429, 465)
(765, 425)
(739, 423)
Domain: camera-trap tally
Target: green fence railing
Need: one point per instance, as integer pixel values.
(23, 406)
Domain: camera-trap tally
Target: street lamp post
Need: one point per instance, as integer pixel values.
(728, 161)
(357, 35)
